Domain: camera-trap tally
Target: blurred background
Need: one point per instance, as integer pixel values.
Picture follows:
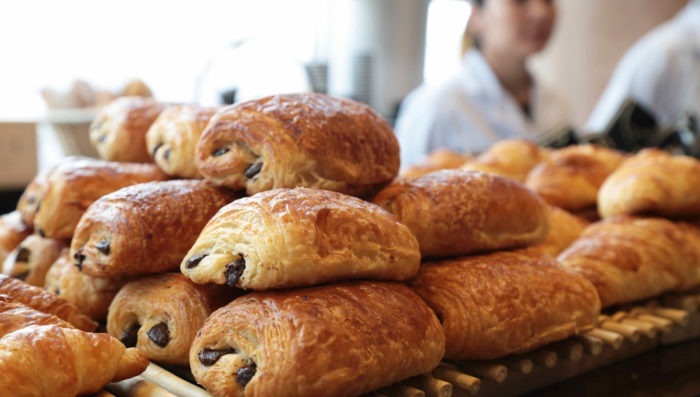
(212, 51)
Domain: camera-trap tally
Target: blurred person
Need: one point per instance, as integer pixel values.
(494, 96)
(660, 73)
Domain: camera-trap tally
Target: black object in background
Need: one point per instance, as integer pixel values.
(8, 200)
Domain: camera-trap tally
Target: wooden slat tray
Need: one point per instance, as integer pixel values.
(625, 333)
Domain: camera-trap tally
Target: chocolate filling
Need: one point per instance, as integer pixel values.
(130, 335)
(194, 261)
(22, 255)
(253, 170)
(245, 374)
(159, 334)
(166, 154)
(209, 357)
(41, 232)
(79, 258)
(155, 150)
(103, 246)
(234, 270)
(220, 151)
(101, 138)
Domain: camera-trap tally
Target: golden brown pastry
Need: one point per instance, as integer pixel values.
(512, 158)
(335, 340)
(307, 139)
(653, 183)
(73, 186)
(48, 360)
(173, 136)
(12, 232)
(564, 229)
(44, 301)
(628, 259)
(456, 212)
(32, 259)
(570, 177)
(119, 129)
(144, 229)
(161, 314)
(15, 315)
(298, 237)
(439, 159)
(505, 302)
(91, 295)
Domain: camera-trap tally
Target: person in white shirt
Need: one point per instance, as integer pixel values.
(660, 72)
(494, 96)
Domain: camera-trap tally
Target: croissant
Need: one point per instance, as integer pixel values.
(118, 131)
(32, 259)
(173, 136)
(15, 315)
(12, 232)
(48, 360)
(629, 259)
(144, 229)
(73, 186)
(439, 159)
(91, 295)
(652, 183)
(564, 229)
(570, 177)
(160, 315)
(512, 158)
(505, 302)
(308, 139)
(335, 340)
(44, 301)
(456, 212)
(298, 237)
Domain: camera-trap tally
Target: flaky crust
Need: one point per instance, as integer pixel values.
(91, 295)
(15, 315)
(628, 259)
(570, 177)
(307, 139)
(32, 258)
(160, 315)
(564, 229)
(12, 232)
(335, 340)
(173, 136)
(653, 183)
(512, 158)
(44, 301)
(456, 212)
(73, 186)
(505, 302)
(144, 229)
(439, 159)
(298, 237)
(48, 360)
(119, 129)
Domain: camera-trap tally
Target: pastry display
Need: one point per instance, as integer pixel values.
(439, 159)
(172, 138)
(144, 229)
(334, 340)
(161, 314)
(505, 302)
(73, 186)
(512, 158)
(32, 259)
(300, 237)
(457, 212)
(564, 229)
(309, 140)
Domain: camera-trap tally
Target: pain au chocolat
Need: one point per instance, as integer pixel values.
(32, 258)
(161, 314)
(299, 237)
(457, 212)
(505, 302)
(12, 231)
(173, 136)
(334, 340)
(145, 228)
(310, 140)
